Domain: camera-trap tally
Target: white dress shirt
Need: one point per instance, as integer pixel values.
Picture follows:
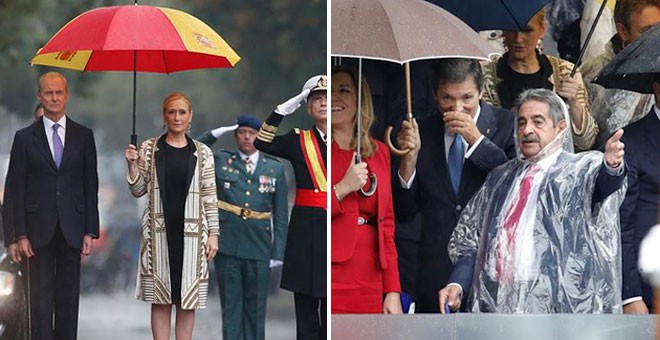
(61, 131)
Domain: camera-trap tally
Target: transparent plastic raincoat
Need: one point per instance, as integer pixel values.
(575, 265)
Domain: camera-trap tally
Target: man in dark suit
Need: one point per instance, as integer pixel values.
(51, 209)
(460, 145)
(639, 211)
(541, 235)
(253, 212)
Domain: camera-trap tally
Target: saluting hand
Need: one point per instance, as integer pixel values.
(290, 106)
(614, 150)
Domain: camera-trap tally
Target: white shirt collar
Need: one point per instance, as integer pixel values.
(657, 110)
(321, 133)
(253, 157)
(48, 124)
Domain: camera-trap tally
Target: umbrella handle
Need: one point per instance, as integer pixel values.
(388, 141)
(134, 140)
(409, 116)
(373, 184)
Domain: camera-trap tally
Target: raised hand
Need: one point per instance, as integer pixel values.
(290, 106)
(614, 150)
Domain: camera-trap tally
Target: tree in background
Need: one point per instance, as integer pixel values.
(281, 42)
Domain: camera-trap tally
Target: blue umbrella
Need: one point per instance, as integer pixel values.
(481, 15)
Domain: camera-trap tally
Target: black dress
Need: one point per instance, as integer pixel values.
(176, 182)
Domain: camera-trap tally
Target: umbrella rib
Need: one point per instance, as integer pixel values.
(515, 20)
(162, 53)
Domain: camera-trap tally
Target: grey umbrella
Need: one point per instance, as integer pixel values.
(636, 67)
(401, 31)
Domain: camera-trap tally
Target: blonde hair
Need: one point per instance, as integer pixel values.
(540, 17)
(368, 147)
(176, 96)
(50, 75)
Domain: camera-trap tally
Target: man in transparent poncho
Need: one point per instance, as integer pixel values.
(542, 233)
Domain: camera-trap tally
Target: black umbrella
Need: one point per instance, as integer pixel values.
(636, 67)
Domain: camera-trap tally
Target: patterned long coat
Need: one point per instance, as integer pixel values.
(200, 221)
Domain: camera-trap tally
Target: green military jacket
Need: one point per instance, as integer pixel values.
(264, 190)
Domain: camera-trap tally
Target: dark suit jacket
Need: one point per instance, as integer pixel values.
(639, 211)
(432, 195)
(345, 215)
(40, 195)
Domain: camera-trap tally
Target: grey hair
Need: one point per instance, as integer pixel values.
(557, 107)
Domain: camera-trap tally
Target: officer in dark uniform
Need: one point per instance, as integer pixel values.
(305, 264)
(252, 202)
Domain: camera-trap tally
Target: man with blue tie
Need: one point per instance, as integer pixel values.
(639, 211)
(51, 209)
(459, 146)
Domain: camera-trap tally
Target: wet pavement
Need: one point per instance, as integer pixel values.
(121, 316)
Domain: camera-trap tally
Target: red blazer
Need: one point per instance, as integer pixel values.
(345, 214)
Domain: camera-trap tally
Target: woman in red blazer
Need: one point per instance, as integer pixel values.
(365, 274)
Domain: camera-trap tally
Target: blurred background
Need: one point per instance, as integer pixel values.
(281, 43)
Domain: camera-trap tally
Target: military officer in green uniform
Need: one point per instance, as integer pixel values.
(252, 207)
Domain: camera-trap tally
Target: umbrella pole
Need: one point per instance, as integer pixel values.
(358, 155)
(409, 116)
(586, 41)
(134, 136)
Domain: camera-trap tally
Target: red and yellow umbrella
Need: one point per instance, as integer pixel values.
(136, 38)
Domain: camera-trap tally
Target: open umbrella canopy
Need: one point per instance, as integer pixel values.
(481, 15)
(401, 31)
(164, 40)
(136, 38)
(636, 67)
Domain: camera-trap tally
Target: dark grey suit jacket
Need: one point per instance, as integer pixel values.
(38, 195)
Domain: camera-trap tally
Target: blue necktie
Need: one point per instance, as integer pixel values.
(455, 160)
(58, 148)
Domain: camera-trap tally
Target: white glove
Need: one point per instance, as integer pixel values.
(291, 105)
(217, 132)
(275, 263)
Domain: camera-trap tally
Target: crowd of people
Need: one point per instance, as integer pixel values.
(532, 187)
(229, 206)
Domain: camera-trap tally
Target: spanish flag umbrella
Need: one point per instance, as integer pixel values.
(136, 38)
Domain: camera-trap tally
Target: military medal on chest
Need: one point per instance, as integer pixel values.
(267, 184)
